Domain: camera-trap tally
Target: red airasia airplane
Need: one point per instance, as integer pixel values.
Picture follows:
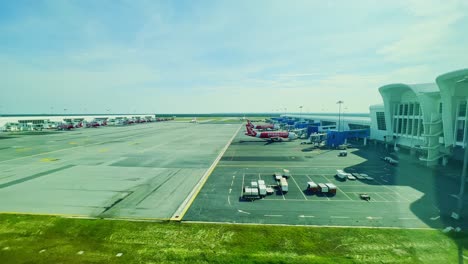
(263, 127)
(270, 135)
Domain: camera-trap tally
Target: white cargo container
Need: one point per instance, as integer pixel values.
(250, 193)
(262, 190)
(254, 184)
(312, 186)
(261, 182)
(331, 188)
(323, 188)
(284, 185)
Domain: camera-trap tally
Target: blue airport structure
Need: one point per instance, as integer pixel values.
(336, 138)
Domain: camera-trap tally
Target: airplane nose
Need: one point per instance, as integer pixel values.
(292, 136)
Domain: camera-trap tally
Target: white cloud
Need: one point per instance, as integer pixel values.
(430, 35)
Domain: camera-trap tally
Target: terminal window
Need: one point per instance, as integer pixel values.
(462, 108)
(381, 121)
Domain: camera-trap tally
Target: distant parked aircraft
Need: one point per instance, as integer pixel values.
(270, 135)
(263, 127)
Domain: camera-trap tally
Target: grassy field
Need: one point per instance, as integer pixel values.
(46, 239)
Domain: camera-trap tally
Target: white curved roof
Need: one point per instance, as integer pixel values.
(416, 88)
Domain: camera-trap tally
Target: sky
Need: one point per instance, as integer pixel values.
(137, 56)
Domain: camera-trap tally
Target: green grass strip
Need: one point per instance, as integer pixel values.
(47, 239)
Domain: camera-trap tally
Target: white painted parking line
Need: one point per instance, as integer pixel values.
(330, 201)
(273, 215)
(306, 216)
(299, 188)
(374, 217)
(376, 193)
(343, 192)
(339, 217)
(244, 212)
(242, 189)
(435, 218)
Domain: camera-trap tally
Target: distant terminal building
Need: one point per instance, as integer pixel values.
(428, 119)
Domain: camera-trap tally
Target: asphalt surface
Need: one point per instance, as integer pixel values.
(140, 171)
(405, 196)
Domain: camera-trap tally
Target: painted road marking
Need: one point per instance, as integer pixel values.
(273, 165)
(183, 208)
(374, 217)
(244, 212)
(306, 216)
(435, 218)
(339, 217)
(74, 148)
(407, 218)
(242, 189)
(273, 215)
(339, 189)
(376, 193)
(299, 188)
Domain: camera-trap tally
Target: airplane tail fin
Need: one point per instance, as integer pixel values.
(250, 131)
(250, 124)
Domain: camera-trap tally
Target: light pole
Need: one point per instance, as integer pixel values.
(300, 114)
(339, 114)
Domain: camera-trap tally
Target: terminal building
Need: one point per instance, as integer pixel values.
(429, 120)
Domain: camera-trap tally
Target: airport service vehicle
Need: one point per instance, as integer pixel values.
(254, 184)
(278, 176)
(390, 160)
(364, 196)
(312, 187)
(350, 177)
(366, 177)
(342, 175)
(263, 127)
(270, 135)
(358, 176)
(65, 126)
(286, 173)
(283, 185)
(270, 190)
(93, 124)
(343, 153)
(331, 188)
(250, 193)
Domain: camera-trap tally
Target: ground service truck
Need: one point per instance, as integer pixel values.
(283, 185)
